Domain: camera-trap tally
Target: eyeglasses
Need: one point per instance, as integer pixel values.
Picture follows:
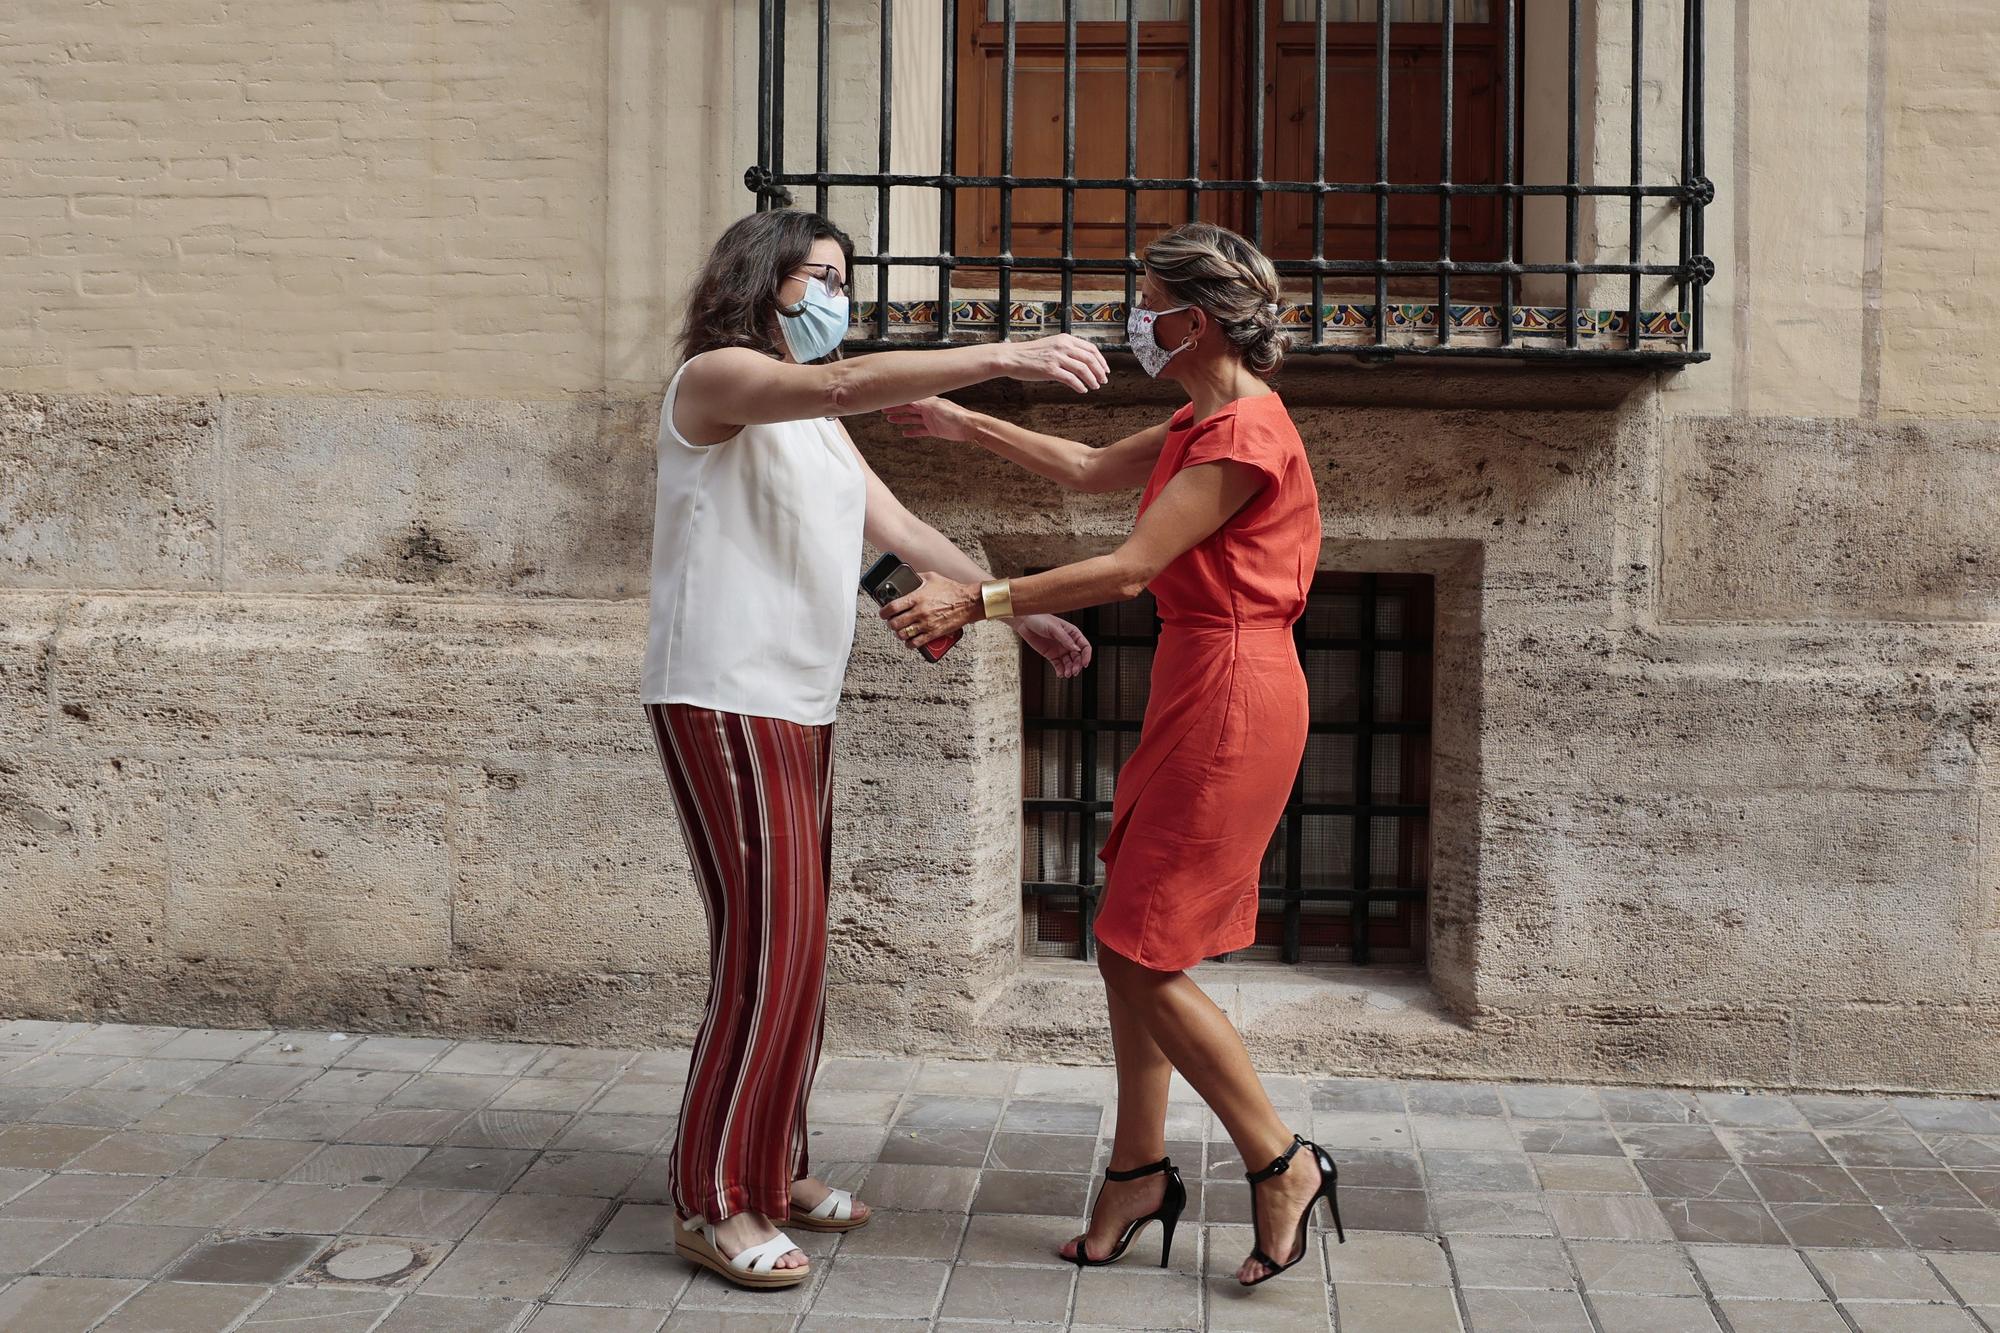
(828, 277)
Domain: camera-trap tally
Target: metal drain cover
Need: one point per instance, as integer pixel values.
(370, 1263)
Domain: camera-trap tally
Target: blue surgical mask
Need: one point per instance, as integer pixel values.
(816, 327)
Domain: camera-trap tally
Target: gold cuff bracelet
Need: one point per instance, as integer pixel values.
(997, 596)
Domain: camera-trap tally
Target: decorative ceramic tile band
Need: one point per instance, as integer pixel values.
(1343, 322)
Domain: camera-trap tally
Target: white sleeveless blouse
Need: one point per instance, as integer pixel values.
(756, 553)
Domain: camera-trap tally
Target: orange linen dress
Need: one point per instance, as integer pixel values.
(1226, 717)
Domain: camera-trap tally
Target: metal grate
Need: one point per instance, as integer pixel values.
(1441, 324)
(1347, 870)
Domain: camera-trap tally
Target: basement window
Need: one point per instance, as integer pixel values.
(1347, 873)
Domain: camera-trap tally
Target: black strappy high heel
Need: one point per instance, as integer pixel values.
(1328, 1176)
(1168, 1215)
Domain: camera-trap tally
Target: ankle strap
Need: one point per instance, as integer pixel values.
(1277, 1167)
(1137, 1172)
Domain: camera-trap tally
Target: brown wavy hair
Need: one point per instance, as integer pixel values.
(735, 298)
(1201, 264)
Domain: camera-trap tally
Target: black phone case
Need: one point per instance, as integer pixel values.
(877, 575)
(876, 582)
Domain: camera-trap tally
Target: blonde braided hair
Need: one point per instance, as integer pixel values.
(1231, 281)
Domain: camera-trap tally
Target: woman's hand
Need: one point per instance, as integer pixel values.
(939, 418)
(1056, 639)
(934, 610)
(1062, 357)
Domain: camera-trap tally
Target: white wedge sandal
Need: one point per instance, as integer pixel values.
(833, 1213)
(755, 1267)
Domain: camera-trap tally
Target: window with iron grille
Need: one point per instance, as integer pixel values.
(1346, 873)
(1466, 178)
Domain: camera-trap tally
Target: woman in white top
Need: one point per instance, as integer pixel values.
(763, 504)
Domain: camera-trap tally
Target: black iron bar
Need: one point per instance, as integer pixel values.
(1364, 772)
(1259, 102)
(1382, 170)
(1397, 267)
(1086, 861)
(1675, 190)
(1570, 332)
(1637, 220)
(947, 164)
(1510, 203)
(1069, 159)
(1687, 208)
(1444, 179)
(1194, 109)
(1010, 23)
(1696, 57)
(1316, 728)
(1131, 147)
(1289, 944)
(883, 148)
(1049, 804)
(1373, 352)
(1319, 168)
(783, 32)
(764, 56)
(822, 102)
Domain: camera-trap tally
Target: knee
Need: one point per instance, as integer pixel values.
(1125, 976)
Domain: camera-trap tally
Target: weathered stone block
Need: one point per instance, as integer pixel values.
(1938, 312)
(27, 652)
(1574, 706)
(403, 678)
(1785, 519)
(393, 494)
(563, 866)
(1537, 489)
(1946, 1047)
(84, 861)
(1738, 896)
(108, 491)
(309, 864)
(1986, 939)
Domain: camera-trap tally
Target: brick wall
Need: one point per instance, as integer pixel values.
(340, 196)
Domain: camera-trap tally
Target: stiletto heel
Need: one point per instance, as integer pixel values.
(1329, 1176)
(1168, 1215)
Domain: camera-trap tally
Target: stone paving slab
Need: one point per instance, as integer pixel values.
(201, 1181)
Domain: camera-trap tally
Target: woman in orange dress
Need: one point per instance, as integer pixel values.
(1227, 539)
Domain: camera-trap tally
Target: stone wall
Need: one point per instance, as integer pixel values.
(331, 339)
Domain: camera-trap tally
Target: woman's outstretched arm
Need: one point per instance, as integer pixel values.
(1080, 467)
(890, 526)
(1191, 507)
(732, 387)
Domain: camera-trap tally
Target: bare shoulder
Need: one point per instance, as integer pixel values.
(725, 367)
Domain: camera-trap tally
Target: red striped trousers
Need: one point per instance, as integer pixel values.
(755, 802)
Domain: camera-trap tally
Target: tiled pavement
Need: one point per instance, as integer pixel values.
(172, 1180)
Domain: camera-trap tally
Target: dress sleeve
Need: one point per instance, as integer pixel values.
(1229, 438)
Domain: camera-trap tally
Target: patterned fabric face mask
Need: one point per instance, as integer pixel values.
(1153, 358)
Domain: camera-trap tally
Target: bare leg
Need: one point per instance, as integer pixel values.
(1197, 1037)
(1141, 1136)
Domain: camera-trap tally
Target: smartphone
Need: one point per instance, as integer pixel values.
(890, 578)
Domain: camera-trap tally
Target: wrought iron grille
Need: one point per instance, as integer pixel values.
(1439, 303)
(1345, 876)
